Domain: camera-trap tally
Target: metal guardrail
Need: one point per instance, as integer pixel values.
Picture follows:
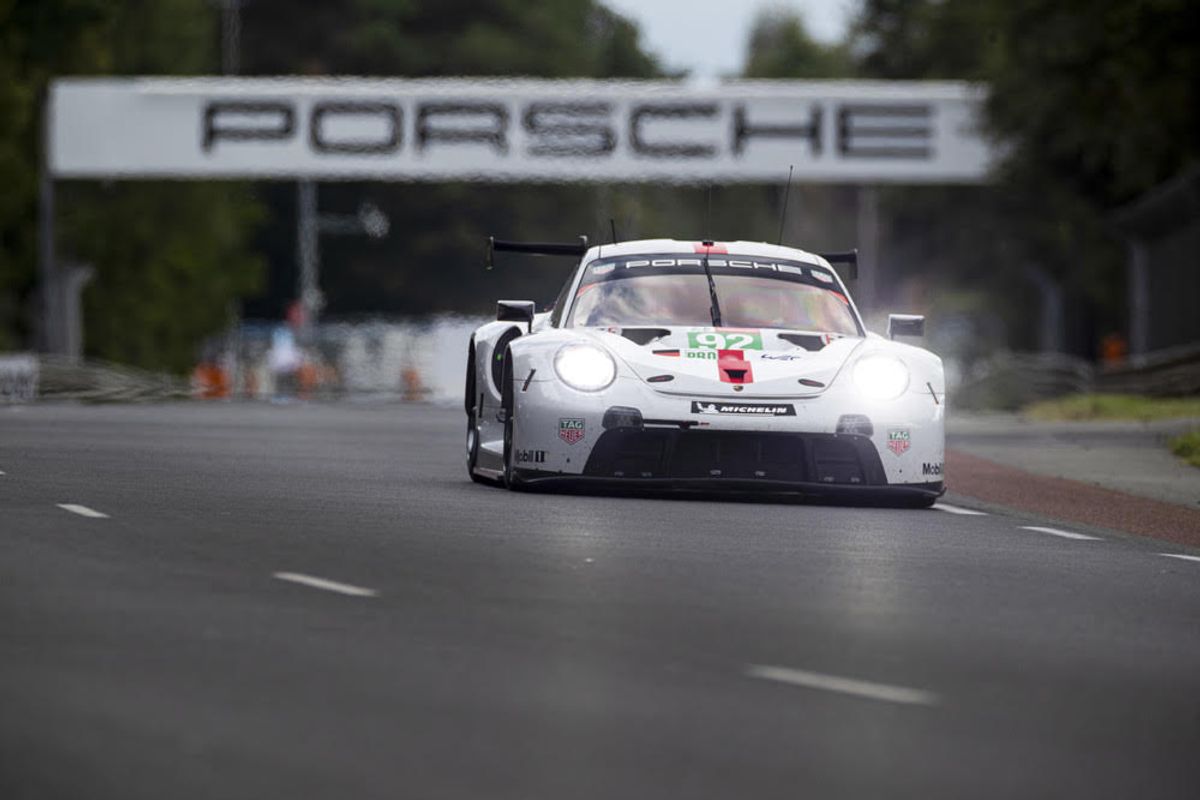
(1166, 373)
(1009, 381)
(25, 378)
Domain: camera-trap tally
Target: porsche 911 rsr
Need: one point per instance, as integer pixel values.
(677, 365)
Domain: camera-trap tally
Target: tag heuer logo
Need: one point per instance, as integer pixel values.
(571, 430)
(744, 409)
(898, 441)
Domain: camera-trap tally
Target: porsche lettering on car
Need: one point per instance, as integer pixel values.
(679, 365)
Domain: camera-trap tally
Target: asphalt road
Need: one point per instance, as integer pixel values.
(497, 645)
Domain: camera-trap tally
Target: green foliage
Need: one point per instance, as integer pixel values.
(925, 39)
(545, 38)
(1094, 101)
(1114, 406)
(1187, 447)
(1103, 95)
(781, 47)
(162, 285)
(433, 258)
(168, 259)
(1100, 103)
(38, 38)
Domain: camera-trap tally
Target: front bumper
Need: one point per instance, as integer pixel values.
(673, 459)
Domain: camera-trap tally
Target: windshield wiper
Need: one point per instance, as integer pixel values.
(714, 308)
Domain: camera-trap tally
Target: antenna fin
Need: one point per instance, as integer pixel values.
(786, 192)
(708, 223)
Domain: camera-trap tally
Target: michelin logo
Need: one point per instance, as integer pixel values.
(744, 409)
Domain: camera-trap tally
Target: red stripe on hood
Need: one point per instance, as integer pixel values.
(734, 361)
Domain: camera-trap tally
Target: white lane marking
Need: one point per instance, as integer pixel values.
(2, 472)
(1180, 556)
(832, 683)
(329, 586)
(1063, 534)
(968, 512)
(83, 511)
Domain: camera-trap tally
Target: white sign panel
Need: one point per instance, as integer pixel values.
(518, 130)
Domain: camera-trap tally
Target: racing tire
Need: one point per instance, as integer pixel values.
(473, 450)
(508, 410)
(920, 501)
(473, 425)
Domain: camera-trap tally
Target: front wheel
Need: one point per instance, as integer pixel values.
(508, 407)
(473, 448)
(473, 424)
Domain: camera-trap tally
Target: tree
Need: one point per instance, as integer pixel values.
(162, 285)
(37, 39)
(433, 258)
(780, 46)
(1093, 103)
(169, 259)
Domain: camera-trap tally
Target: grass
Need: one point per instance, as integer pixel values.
(1187, 447)
(1114, 406)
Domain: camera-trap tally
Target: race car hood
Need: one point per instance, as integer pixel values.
(709, 361)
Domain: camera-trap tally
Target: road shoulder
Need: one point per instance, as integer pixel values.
(993, 483)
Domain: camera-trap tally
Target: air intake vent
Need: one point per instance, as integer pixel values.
(856, 424)
(642, 336)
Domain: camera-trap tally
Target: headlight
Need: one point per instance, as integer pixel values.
(585, 367)
(881, 377)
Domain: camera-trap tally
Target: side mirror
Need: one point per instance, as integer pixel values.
(905, 325)
(516, 311)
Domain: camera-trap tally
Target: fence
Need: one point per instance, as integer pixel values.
(1011, 380)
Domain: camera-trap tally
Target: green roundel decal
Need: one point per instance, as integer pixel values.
(726, 340)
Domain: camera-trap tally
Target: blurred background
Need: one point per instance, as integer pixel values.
(1072, 269)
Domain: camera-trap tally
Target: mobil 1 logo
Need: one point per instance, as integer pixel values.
(531, 456)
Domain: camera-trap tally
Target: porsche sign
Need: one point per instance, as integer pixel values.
(520, 130)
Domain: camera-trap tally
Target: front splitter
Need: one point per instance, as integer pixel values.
(915, 495)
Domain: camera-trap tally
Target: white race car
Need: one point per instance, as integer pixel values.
(675, 365)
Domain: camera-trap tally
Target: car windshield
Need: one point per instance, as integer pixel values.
(673, 290)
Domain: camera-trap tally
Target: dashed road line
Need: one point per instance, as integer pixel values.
(967, 512)
(1180, 556)
(850, 686)
(327, 585)
(1061, 533)
(83, 511)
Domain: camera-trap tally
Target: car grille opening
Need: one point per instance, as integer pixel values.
(735, 455)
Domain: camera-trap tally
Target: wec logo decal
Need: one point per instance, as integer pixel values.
(571, 429)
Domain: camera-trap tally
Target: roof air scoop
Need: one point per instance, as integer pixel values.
(644, 336)
(809, 341)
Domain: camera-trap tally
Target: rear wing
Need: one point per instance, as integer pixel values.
(849, 258)
(575, 249)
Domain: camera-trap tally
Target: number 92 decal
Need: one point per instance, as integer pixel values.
(726, 340)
